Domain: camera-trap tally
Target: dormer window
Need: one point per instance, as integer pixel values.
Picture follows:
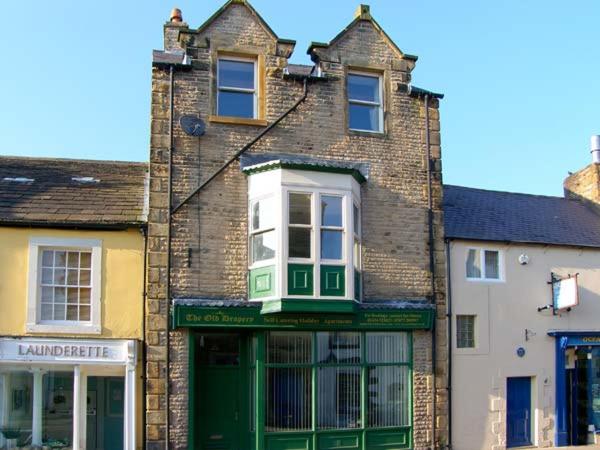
(304, 234)
(365, 102)
(236, 87)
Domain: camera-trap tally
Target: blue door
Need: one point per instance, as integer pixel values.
(518, 411)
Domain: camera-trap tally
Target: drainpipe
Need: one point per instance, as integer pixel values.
(169, 223)
(432, 270)
(247, 146)
(449, 318)
(144, 232)
(172, 210)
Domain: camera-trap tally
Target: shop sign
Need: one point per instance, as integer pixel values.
(196, 316)
(61, 350)
(564, 292)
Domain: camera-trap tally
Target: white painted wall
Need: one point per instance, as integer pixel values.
(504, 311)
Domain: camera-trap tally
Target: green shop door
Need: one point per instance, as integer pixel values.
(220, 407)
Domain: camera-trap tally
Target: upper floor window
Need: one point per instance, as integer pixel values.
(236, 87)
(483, 264)
(263, 240)
(64, 285)
(304, 235)
(365, 104)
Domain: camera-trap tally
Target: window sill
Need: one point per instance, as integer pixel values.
(377, 134)
(63, 329)
(485, 280)
(238, 121)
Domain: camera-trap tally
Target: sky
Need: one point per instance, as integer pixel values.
(520, 77)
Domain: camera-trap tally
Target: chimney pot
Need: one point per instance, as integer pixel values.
(176, 15)
(595, 149)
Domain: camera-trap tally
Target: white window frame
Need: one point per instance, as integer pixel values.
(315, 260)
(253, 91)
(251, 232)
(34, 323)
(483, 277)
(379, 105)
(475, 338)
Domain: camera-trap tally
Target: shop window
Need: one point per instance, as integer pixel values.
(64, 285)
(333, 362)
(236, 87)
(465, 331)
(365, 105)
(57, 409)
(16, 408)
(483, 264)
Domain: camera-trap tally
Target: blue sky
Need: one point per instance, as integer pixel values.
(521, 78)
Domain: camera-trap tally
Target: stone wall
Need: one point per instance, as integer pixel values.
(209, 234)
(584, 185)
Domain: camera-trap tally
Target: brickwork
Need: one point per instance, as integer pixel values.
(209, 234)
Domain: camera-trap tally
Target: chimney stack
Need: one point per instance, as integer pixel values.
(595, 149)
(584, 185)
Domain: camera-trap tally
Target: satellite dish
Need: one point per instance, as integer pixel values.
(192, 125)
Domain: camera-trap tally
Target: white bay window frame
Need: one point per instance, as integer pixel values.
(35, 324)
(318, 184)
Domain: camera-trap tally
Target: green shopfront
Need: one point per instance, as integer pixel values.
(300, 381)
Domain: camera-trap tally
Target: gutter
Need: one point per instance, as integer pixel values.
(117, 226)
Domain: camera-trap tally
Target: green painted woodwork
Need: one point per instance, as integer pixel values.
(262, 282)
(300, 279)
(289, 441)
(217, 393)
(388, 439)
(357, 285)
(298, 305)
(384, 319)
(274, 165)
(259, 414)
(339, 440)
(333, 281)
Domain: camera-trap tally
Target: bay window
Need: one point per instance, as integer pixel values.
(263, 240)
(304, 236)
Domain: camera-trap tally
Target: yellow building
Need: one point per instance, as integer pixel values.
(72, 239)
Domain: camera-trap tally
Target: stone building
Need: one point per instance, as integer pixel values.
(269, 325)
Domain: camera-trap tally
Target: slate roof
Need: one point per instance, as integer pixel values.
(164, 57)
(70, 192)
(300, 70)
(256, 161)
(484, 215)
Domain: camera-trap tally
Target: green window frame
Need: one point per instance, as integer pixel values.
(360, 405)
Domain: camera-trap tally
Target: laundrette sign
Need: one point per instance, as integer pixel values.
(57, 350)
(194, 316)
